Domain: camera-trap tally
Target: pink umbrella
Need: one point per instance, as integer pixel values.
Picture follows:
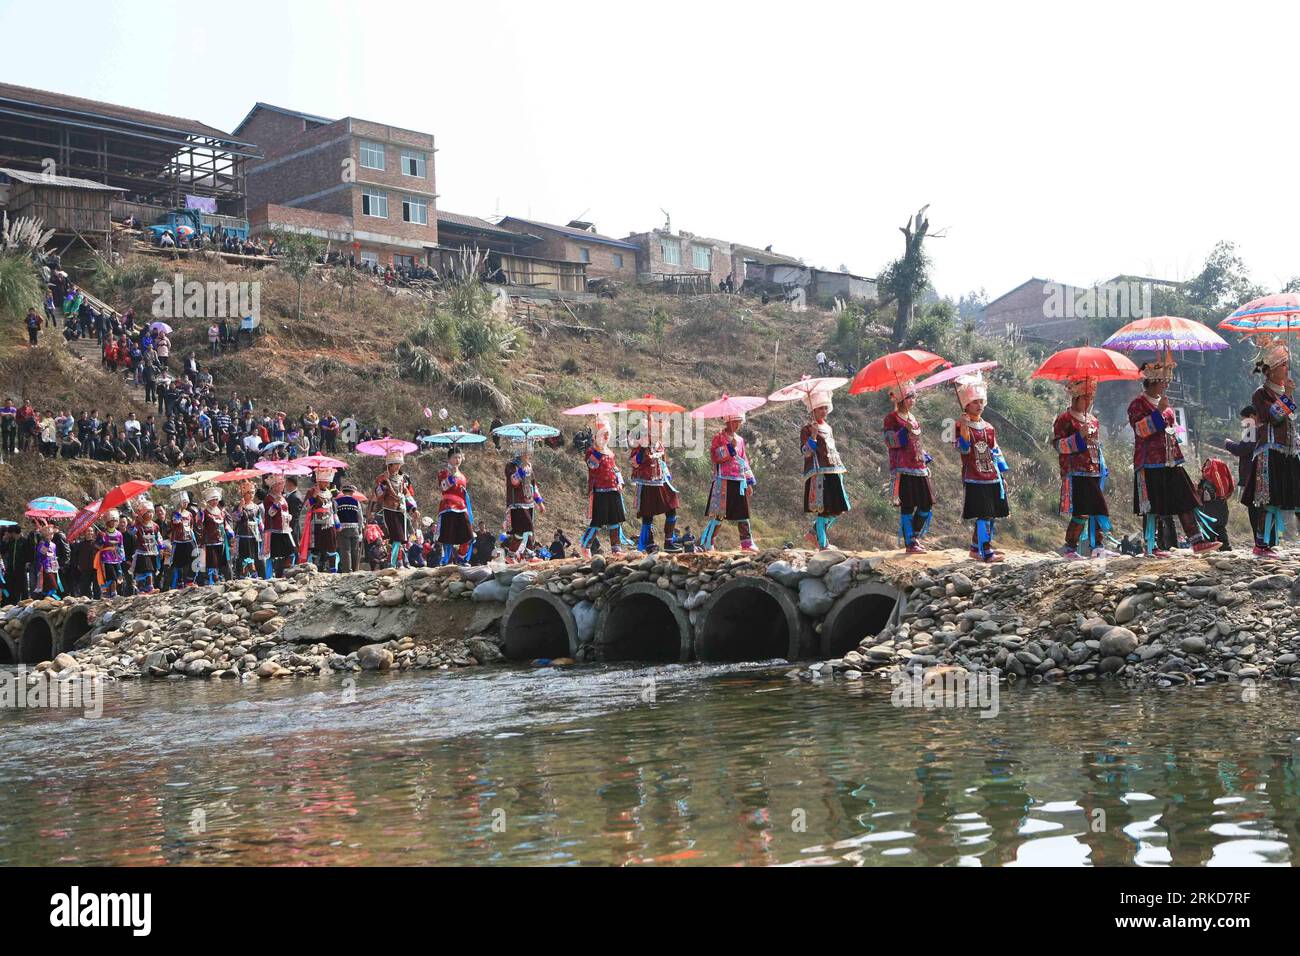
(729, 407)
(382, 447)
(282, 467)
(595, 407)
(948, 374)
(320, 461)
(83, 519)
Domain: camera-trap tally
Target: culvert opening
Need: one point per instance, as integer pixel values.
(37, 642)
(347, 643)
(856, 617)
(534, 628)
(640, 627)
(75, 628)
(744, 624)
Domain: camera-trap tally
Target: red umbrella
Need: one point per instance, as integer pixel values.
(83, 520)
(948, 374)
(650, 404)
(124, 493)
(239, 474)
(729, 406)
(1102, 365)
(894, 369)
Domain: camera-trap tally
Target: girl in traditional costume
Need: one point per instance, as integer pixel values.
(248, 531)
(824, 494)
(320, 539)
(180, 532)
(278, 521)
(909, 469)
(1273, 486)
(604, 491)
(1077, 435)
(454, 529)
(214, 527)
(109, 554)
(733, 485)
(1161, 487)
(145, 560)
(523, 495)
(655, 494)
(46, 563)
(395, 496)
(982, 467)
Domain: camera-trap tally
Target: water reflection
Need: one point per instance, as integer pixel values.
(728, 765)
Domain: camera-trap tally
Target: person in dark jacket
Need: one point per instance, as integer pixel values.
(1244, 450)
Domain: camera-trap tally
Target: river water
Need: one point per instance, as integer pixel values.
(677, 765)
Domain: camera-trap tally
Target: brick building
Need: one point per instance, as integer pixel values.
(579, 242)
(661, 252)
(378, 178)
(1030, 310)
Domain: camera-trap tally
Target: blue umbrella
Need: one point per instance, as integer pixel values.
(169, 480)
(454, 438)
(526, 431)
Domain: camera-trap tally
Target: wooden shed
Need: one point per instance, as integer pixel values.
(73, 208)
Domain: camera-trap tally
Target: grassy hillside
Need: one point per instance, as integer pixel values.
(343, 356)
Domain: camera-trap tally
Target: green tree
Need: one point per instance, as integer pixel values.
(299, 252)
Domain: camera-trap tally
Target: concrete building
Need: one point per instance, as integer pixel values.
(662, 254)
(378, 178)
(603, 256)
(510, 258)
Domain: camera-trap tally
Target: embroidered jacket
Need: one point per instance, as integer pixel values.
(820, 456)
(182, 526)
(1078, 443)
(1155, 445)
(213, 526)
(981, 458)
(394, 492)
(453, 488)
(278, 518)
(522, 489)
(1275, 415)
(602, 471)
(649, 465)
(729, 459)
(109, 544)
(903, 439)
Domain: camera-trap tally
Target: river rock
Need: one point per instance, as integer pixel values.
(814, 599)
(585, 616)
(374, 657)
(63, 661)
(839, 578)
(785, 573)
(1193, 645)
(1118, 642)
(823, 561)
(1131, 606)
(962, 586)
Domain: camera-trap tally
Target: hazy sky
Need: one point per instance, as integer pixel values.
(1065, 141)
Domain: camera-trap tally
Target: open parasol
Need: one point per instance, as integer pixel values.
(169, 480)
(321, 461)
(526, 430)
(55, 509)
(955, 372)
(894, 369)
(239, 474)
(381, 447)
(651, 405)
(283, 467)
(1098, 364)
(800, 390)
(160, 327)
(82, 521)
(729, 406)
(454, 438)
(1271, 313)
(194, 478)
(1165, 333)
(123, 493)
(595, 407)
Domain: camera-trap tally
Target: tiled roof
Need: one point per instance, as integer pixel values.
(41, 179)
(576, 233)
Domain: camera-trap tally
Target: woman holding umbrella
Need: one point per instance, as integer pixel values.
(655, 494)
(109, 554)
(454, 528)
(909, 465)
(604, 490)
(1274, 482)
(982, 466)
(147, 547)
(733, 480)
(248, 530)
(523, 493)
(394, 492)
(823, 469)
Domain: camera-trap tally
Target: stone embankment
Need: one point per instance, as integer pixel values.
(1177, 621)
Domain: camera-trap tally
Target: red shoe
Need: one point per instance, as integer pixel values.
(916, 548)
(1205, 547)
(1158, 553)
(1263, 552)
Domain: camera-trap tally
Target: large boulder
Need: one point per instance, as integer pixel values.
(823, 561)
(814, 599)
(1118, 642)
(374, 657)
(492, 590)
(783, 572)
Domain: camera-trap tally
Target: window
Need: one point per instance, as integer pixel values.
(370, 258)
(404, 262)
(415, 210)
(670, 251)
(412, 163)
(372, 155)
(618, 260)
(374, 204)
(584, 254)
(701, 258)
